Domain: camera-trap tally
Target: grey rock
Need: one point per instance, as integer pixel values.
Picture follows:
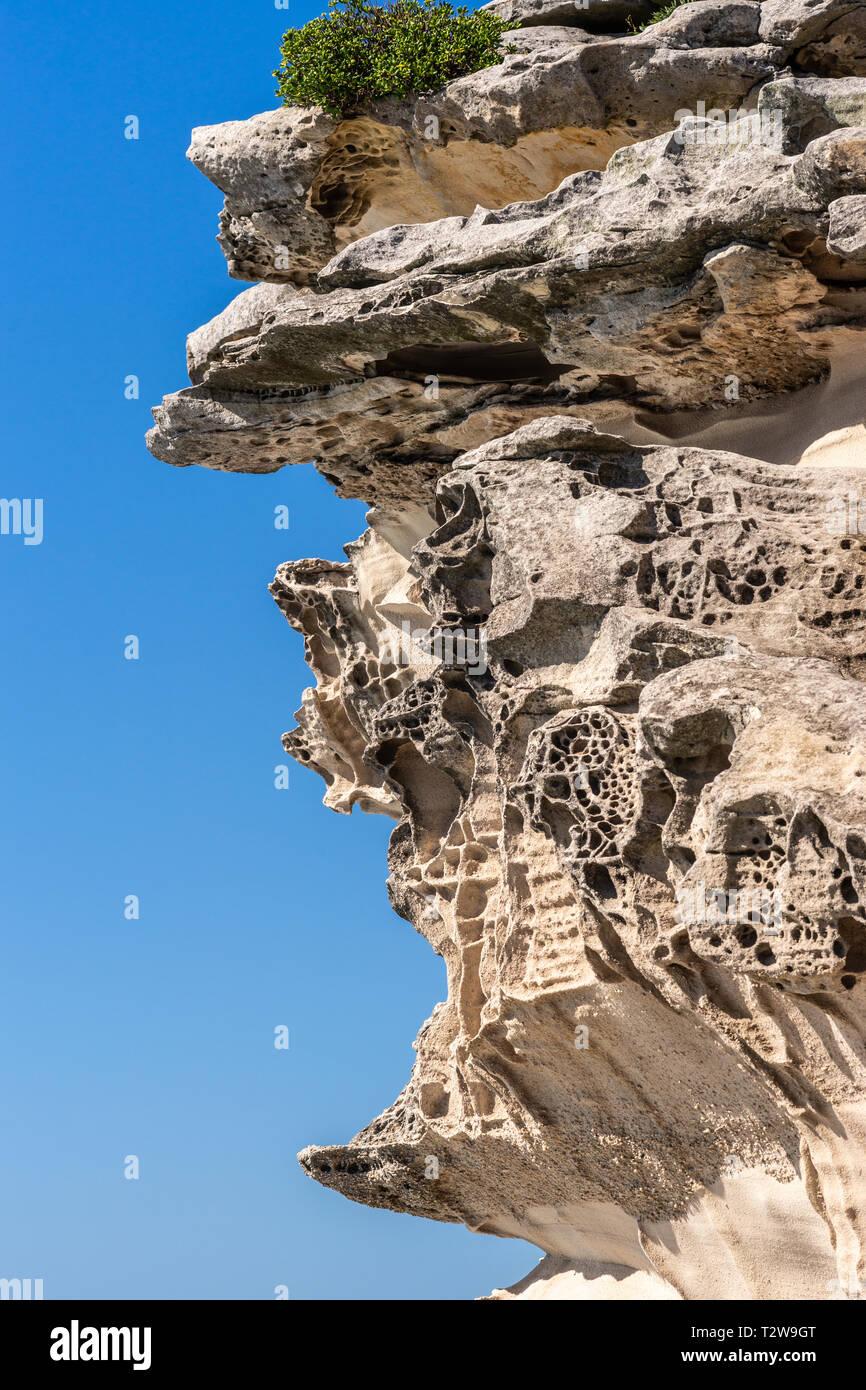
(299, 185)
(602, 15)
(834, 164)
(650, 287)
(562, 101)
(824, 37)
(847, 235)
(709, 24)
(808, 107)
(266, 167)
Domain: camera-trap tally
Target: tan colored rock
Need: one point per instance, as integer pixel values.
(691, 275)
(578, 85)
(299, 184)
(601, 653)
(638, 840)
(838, 449)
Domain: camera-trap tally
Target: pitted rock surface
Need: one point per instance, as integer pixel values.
(574, 85)
(601, 663)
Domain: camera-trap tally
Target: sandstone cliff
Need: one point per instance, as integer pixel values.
(586, 331)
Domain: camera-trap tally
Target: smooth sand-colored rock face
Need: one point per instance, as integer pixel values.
(840, 448)
(601, 652)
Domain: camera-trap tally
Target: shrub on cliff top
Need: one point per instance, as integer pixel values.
(360, 52)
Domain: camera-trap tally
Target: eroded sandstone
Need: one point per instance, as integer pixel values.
(601, 662)
(638, 840)
(300, 185)
(689, 275)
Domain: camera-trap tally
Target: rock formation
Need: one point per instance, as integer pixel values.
(597, 365)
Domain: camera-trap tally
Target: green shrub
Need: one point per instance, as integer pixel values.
(360, 52)
(657, 15)
(664, 11)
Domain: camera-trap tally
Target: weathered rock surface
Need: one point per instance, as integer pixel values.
(638, 840)
(300, 185)
(605, 672)
(690, 274)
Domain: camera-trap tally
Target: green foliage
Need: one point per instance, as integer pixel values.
(657, 15)
(360, 52)
(666, 10)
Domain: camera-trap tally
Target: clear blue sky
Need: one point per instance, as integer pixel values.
(155, 777)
